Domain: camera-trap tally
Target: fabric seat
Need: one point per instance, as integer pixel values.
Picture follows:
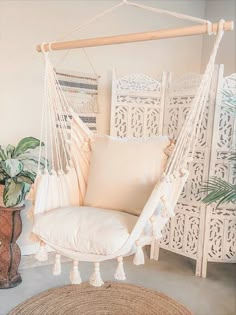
(85, 229)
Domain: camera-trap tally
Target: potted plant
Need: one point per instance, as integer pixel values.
(18, 166)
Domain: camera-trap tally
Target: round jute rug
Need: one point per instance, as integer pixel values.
(112, 298)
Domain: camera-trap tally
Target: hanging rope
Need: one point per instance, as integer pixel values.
(114, 8)
(170, 13)
(188, 136)
(82, 26)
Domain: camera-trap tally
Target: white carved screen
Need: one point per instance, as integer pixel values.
(186, 233)
(220, 231)
(137, 105)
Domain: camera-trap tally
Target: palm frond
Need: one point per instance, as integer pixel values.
(218, 190)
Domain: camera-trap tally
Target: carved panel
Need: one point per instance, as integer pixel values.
(222, 232)
(152, 121)
(141, 99)
(230, 244)
(192, 236)
(215, 247)
(138, 82)
(225, 134)
(121, 121)
(178, 231)
(181, 235)
(165, 241)
(137, 121)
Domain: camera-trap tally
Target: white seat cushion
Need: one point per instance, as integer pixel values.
(123, 172)
(85, 229)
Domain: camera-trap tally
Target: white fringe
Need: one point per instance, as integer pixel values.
(42, 253)
(57, 265)
(96, 279)
(120, 273)
(75, 274)
(139, 255)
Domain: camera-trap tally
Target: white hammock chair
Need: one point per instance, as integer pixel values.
(63, 187)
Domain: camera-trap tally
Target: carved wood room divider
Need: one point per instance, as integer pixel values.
(144, 106)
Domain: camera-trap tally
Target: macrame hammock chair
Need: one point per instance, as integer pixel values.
(64, 185)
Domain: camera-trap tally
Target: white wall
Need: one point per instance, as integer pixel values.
(23, 24)
(216, 10)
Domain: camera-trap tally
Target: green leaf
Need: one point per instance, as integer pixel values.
(2, 176)
(26, 189)
(27, 177)
(10, 150)
(3, 156)
(12, 167)
(218, 191)
(13, 193)
(31, 162)
(26, 144)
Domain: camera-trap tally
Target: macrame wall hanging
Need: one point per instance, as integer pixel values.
(81, 92)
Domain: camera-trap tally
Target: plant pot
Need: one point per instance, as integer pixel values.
(1, 196)
(10, 254)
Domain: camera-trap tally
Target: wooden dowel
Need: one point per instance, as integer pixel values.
(135, 37)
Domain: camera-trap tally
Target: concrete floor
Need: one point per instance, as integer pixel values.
(172, 275)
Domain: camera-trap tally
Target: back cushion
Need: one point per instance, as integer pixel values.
(123, 172)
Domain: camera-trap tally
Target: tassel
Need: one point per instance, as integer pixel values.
(34, 238)
(42, 254)
(75, 274)
(120, 273)
(96, 279)
(153, 243)
(166, 209)
(57, 265)
(139, 255)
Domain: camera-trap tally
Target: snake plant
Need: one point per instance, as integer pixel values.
(18, 166)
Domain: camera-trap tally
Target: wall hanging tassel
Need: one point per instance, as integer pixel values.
(57, 265)
(139, 255)
(75, 274)
(42, 253)
(120, 273)
(96, 279)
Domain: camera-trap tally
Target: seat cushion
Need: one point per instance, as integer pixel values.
(123, 172)
(85, 229)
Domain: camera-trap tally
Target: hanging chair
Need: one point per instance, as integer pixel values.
(105, 198)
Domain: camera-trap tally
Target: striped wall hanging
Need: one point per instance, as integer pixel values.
(81, 92)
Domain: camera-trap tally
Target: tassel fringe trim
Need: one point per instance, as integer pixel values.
(75, 274)
(139, 255)
(96, 279)
(120, 273)
(34, 238)
(42, 254)
(57, 266)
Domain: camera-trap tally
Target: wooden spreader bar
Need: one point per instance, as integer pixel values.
(135, 37)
